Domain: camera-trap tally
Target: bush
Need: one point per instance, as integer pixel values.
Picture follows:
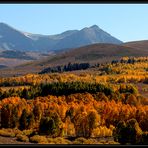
(128, 132)
(132, 100)
(102, 141)
(22, 138)
(27, 132)
(120, 133)
(91, 141)
(60, 140)
(134, 132)
(38, 139)
(113, 142)
(80, 140)
(7, 133)
(50, 141)
(50, 125)
(128, 89)
(16, 131)
(144, 139)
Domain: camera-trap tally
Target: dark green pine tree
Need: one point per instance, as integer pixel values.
(6, 116)
(121, 133)
(31, 121)
(23, 120)
(15, 118)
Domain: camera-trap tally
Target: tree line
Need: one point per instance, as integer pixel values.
(68, 67)
(65, 88)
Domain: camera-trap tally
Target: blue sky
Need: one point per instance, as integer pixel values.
(127, 22)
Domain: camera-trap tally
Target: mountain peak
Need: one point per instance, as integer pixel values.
(95, 27)
(3, 24)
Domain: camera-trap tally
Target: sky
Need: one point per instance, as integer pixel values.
(127, 22)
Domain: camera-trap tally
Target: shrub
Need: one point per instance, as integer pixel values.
(50, 125)
(22, 138)
(27, 132)
(50, 141)
(16, 131)
(131, 99)
(102, 141)
(113, 142)
(134, 132)
(91, 141)
(128, 132)
(80, 140)
(144, 139)
(38, 139)
(60, 140)
(120, 133)
(7, 133)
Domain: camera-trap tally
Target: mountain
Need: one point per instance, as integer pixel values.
(86, 36)
(13, 39)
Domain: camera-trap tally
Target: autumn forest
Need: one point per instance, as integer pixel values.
(90, 104)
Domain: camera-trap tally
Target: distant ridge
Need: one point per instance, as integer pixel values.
(96, 53)
(143, 44)
(13, 39)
